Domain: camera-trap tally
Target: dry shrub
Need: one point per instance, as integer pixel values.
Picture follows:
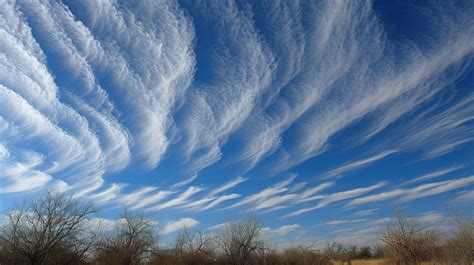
(304, 256)
(165, 257)
(459, 248)
(407, 243)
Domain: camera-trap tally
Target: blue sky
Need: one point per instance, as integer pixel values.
(322, 117)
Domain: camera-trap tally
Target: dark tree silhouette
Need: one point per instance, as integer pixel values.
(132, 241)
(49, 230)
(240, 240)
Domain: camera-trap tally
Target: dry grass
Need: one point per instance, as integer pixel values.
(381, 262)
(365, 262)
(369, 262)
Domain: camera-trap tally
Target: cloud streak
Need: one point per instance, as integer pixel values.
(174, 226)
(358, 164)
(421, 191)
(338, 196)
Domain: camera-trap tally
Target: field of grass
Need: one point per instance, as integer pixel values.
(369, 262)
(364, 262)
(379, 262)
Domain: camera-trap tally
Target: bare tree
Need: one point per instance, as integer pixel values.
(365, 252)
(195, 249)
(333, 249)
(337, 251)
(459, 247)
(240, 240)
(409, 243)
(348, 254)
(379, 250)
(50, 230)
(132, 241)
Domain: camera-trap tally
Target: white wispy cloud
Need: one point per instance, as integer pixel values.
(282, 195)
(108, 194)
(77, 129)
(281, 231)
(338, 196)
(275, 189)
(434, 174)
(389, 92)
(242, 71)
(357, 164)
(429, 218)
(179, 200)
(22, 176)
(220, 200)
(211, 199)
(182, 223)
(135, 197)
(228, 185)
(59, 187)
(184, 182)
(448, 129)
(216, 227)
(157, 76)
(76, 151)
(437, 188)
(465, 196)
(363, 213)
(308, 194)
(340, 222)
(421, 191)
(151, 199)
(325, 60)
(275, 200)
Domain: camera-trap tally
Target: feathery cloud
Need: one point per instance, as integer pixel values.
(338, 196)
(421, 191)
(182, 223)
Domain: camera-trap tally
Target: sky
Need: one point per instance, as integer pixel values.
(320, 117)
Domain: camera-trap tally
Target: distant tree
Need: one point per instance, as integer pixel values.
(337, 251)
(365, 252)
(333, 249)
(379, 250)
(195, 249)
(132, 242)
(349, 253)
(240, 240)
(51, 230)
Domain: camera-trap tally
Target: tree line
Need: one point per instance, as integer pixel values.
(57, 229)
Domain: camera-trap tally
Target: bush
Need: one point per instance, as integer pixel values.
(459, 248)
(304, 256)
(407, 243)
